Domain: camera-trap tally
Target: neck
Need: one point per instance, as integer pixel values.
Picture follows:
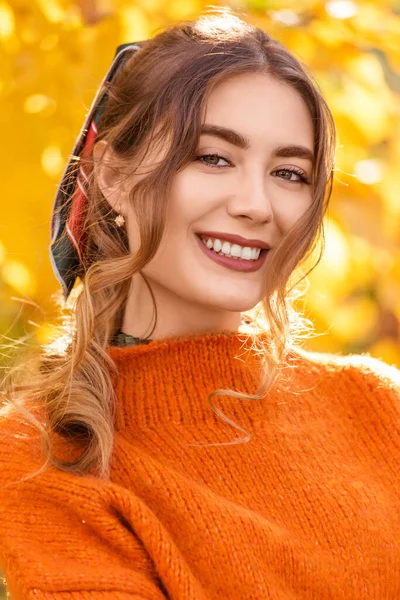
(175, 315)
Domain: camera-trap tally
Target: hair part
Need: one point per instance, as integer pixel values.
(158, 97)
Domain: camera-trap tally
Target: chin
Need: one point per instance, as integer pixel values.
(237, 304)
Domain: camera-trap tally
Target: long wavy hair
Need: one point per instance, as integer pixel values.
(157, 97)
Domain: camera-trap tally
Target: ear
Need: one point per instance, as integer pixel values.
(108, 176)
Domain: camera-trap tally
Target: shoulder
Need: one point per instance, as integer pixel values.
(353, 374)
(20, 443)
(358, 366)
(23, 430)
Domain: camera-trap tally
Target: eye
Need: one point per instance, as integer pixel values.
(213, 160)
(292, 175)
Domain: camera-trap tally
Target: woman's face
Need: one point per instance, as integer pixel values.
(250, 178)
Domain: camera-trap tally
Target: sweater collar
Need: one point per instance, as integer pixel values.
(168, 380)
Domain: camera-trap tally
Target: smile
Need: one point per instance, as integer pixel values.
(233, 250)
(232, 256)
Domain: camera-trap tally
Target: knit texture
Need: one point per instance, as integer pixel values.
(308, 509)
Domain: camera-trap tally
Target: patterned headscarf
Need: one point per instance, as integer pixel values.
(68, 238)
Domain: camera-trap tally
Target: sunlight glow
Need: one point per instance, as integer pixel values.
(52, 161)
(17, 276)
(286, 17)
(38, 103)
(369, 171)
(7, 21)
(341, 9)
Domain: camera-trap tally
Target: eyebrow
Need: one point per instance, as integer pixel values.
(237, 139)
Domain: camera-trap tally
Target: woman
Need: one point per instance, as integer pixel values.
(204, 174)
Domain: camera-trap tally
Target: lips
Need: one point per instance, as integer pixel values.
(235, 239)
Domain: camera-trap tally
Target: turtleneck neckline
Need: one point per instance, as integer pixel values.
(168, 380)
(122, 339)
(185, 337)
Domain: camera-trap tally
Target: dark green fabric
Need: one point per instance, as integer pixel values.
(123, 339)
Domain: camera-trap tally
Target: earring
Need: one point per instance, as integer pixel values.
(119, 219)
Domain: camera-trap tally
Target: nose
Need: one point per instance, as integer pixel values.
(251, 200)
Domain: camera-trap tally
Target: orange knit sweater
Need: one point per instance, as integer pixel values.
(309, 508)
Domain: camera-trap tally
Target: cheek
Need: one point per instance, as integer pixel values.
(289, 212)
(187, 204)
(191, 197)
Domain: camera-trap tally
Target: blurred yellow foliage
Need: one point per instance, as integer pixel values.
(55, 54)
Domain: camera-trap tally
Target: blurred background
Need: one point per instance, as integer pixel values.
(53, 56)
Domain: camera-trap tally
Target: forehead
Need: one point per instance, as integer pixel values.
(268, 111)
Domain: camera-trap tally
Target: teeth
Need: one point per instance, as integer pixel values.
(217, 245)
(236, 250)
(232, 250)
(246, 253)
(226, 248)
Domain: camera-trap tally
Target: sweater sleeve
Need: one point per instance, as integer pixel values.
(370, 390)
(64, 537)
(379, 381)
